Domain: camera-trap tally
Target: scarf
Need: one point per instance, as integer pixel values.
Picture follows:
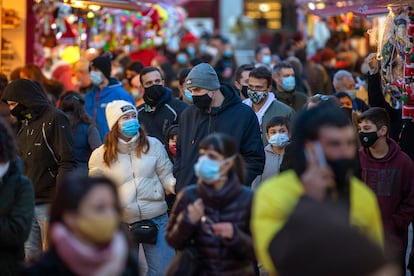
(83, 259)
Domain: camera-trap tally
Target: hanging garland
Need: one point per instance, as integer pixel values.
(106, 29)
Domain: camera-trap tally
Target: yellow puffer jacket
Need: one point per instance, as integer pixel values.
(277, 197)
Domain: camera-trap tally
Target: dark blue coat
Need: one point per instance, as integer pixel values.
(233, 118)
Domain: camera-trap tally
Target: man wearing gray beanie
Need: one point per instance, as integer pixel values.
(217, 108)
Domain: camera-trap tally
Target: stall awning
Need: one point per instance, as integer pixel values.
(133, 5)
(358, 7)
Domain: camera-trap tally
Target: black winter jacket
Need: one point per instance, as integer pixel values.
(218, 256)
(167, 113)
(233, 118)
(45, 141)
(16, 213)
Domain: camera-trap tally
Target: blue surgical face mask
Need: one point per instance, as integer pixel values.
(288, 83)
(187, 96)
(181, 59)
(351, 93)
(227, 53)
(207, 169)
(95, 77)
(191, 51)
(280, 140)
(130, 127)
(266, 59)
(202, 48)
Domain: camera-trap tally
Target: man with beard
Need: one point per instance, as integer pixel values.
(217, 108)
(160, 110)
(324, 151)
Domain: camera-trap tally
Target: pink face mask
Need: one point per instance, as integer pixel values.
(173, 149)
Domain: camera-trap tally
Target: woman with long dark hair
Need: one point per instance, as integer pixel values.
(85, 236)
(215, 213)
(86, 136)
(143, 172)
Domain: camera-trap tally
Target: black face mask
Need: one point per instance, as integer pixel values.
(348, 112)
(153, 94)
(244, 91)
(368, 138)
(343, 170)
(20, 112)
(203, 102)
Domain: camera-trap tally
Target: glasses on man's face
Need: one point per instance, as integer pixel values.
(320, 97)
(207, 225)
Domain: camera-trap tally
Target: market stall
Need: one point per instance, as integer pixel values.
(388, 29)
(129, 26)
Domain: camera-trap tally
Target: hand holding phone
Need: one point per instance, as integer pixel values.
(318, 178)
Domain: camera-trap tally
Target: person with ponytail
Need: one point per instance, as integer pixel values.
(140, 167)
(214, 214)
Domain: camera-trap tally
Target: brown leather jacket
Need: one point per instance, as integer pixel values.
(219, 256)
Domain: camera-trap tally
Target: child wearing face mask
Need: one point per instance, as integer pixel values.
(277, 134)
(170, 145)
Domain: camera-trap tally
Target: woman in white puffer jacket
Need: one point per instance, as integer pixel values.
(140, 166)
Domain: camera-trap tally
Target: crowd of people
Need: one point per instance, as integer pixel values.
(195, 165)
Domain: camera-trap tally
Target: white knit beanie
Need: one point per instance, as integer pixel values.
(116, 109)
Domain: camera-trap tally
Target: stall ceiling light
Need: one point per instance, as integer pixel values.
(94, 7)
(263, 7)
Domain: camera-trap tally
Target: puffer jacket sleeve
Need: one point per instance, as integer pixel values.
(252, 149)
(164, 168)
(96, 162)
(242, 243)
(62, 143)
(180, 228)
(15, 228)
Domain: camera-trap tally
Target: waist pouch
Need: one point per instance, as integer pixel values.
(144, 231)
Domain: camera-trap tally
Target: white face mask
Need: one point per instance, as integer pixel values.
(4, 167)
(96, 78)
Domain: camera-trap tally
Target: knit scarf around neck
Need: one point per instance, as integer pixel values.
(82, 259)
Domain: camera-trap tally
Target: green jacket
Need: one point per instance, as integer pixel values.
(295, 100)
(16, 214)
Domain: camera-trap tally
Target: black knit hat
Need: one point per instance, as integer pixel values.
(103, 64)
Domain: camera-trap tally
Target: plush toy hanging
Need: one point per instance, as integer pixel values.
(408, 90)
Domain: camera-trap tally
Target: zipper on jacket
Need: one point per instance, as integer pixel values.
(47, 143)
(136, 186)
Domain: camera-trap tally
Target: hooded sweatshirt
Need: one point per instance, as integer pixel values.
(44, 139)
(96, 101)
(391, 180)
(233, 118)
(167, 113)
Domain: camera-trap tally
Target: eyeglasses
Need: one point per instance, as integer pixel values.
(320, 97)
